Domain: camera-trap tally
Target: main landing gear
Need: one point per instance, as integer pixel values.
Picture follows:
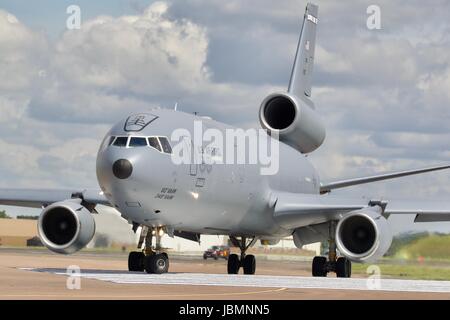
(247, 262)
(151, 259)
(341, 265)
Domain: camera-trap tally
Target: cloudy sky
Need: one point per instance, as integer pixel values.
(384, 94)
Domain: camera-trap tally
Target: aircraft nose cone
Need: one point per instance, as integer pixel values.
(122, 168)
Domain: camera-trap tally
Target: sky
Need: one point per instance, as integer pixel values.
(384, 94)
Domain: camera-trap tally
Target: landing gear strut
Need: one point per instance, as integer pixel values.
(247, 262)
(150, 259)
(321, 266)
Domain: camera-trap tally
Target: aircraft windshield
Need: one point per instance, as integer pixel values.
(161, 144)
(138, 142)
(154, 143)
(165, 145)
(120, 142)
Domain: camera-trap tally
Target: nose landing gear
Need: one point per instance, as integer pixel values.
(247, 262)
(341, 265)
(151, 259)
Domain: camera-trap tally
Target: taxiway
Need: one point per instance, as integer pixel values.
(38, 274)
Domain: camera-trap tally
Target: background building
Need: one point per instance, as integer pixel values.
(16, 232)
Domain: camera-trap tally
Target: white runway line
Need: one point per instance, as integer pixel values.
(256, 281)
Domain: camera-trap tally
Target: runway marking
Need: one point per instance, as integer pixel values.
(256, 281)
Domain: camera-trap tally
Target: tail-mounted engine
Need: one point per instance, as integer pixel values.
(294, 120)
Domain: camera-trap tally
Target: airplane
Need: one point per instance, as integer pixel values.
(138, 177)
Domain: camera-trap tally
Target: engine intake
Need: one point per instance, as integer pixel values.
(294, 120)
(363, 235)
(66, 226)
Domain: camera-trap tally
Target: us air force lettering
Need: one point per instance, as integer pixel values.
(138, 176)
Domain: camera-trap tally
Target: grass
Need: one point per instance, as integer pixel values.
(433, 247)
(426, 257)
(414, 271)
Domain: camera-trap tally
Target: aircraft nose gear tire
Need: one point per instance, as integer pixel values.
(156, 263)
(343, 268)
(233, 264)
(136, 261)
(249, 264)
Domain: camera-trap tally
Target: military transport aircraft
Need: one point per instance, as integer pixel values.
(138, 177)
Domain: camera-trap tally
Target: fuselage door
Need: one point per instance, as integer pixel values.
(191, 151)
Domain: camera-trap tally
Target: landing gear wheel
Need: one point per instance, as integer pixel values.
(136, 261)
(156, 263)
(319, 267)
(343, 268)
(249, 264)
(233, 264)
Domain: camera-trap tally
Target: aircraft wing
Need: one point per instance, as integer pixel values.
(352, 182)
(294, 210)
(38, 198)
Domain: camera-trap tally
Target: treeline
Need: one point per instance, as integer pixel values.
(4, 215)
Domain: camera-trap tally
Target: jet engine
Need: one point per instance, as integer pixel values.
(294, 120)
(66, 226)
(363, 235)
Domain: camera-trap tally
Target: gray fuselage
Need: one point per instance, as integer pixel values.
(233, 199)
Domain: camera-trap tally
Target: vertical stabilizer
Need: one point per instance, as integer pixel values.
(300, 83)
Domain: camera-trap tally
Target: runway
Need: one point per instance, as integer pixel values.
(255, 281)
(39, 274)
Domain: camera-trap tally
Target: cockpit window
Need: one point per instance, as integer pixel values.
(120, 142)
(138, 142)
(165, 145)
(111, 139)
(153, 142)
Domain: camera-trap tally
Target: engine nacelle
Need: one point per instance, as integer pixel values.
(294, 120)
(363, 235)
(66, 226)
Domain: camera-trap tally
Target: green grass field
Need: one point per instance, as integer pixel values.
(426, 258)
(406, 271)
(433, 247)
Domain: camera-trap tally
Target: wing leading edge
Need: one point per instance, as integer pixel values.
(298, 210)
(325, 188)
(38, 198)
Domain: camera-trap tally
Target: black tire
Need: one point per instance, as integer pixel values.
(205, 257)
(318, 267)
(215, 258)
(343, 268)
(233, 264)
(136, 261)
(157, 263)
(249, 264)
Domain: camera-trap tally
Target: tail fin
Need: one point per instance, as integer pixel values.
(300, 83)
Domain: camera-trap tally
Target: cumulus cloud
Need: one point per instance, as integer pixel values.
(24, 54)
(384, 94)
